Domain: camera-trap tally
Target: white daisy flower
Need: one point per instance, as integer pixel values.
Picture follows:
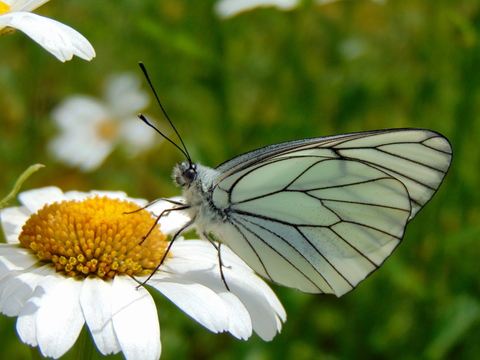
(57, 38)
(230, 8)
(75, 258)
(90, 128)
(324, 2)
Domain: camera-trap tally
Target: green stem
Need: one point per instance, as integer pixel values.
(84, 348)
(16, 188)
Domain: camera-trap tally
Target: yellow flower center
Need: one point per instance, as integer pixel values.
(4, 8)
(108, 129)
(95, 236)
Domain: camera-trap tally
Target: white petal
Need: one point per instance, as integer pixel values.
(229, 8)
(263, 306)
(27, 319)
(80, 142)
(135, 320)
(15, 257)
(59, 318)
(88, 153)
(239, 318)
(36, 199)
(13, 218)
(96, 301)
(191, 279)
(79, 112)
(264, 316)
(137, 137)
(80, 195)
(59, 39)
(17, 288)
(172, 222)
(24, 5)
(196, 300)
(86, 150)
(246, 272)
(124, 95)
(209, 301)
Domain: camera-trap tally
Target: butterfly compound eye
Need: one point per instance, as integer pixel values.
(184, 173)
(190, 174)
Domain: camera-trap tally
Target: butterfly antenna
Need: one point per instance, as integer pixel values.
(144, 119)
(184, 150)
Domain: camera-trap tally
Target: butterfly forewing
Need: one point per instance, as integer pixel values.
(423, 156)
(321, 214)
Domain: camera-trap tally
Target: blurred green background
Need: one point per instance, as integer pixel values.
(268, 76)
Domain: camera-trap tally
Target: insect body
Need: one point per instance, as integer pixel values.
(321, 214)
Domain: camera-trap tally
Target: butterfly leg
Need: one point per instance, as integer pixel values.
(169, 245)
(154, 202)
(164, 212)
(220, 262)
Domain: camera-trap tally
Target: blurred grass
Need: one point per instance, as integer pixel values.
(265, 77)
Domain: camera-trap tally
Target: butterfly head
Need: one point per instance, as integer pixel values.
(185, 173)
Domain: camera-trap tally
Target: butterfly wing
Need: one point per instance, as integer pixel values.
(321, 214)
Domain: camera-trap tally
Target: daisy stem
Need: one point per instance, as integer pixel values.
(84, 347)
(18, 184)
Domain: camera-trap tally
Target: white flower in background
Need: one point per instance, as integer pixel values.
(57, 38)
(230, 8)
(71, 260)
(90, 129)
(324, 2)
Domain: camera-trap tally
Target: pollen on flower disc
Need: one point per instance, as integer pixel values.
(98, 235)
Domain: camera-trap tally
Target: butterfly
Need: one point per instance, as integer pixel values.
(318, 215)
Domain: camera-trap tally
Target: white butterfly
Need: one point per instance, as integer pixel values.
(318, 215)
(321, 214)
